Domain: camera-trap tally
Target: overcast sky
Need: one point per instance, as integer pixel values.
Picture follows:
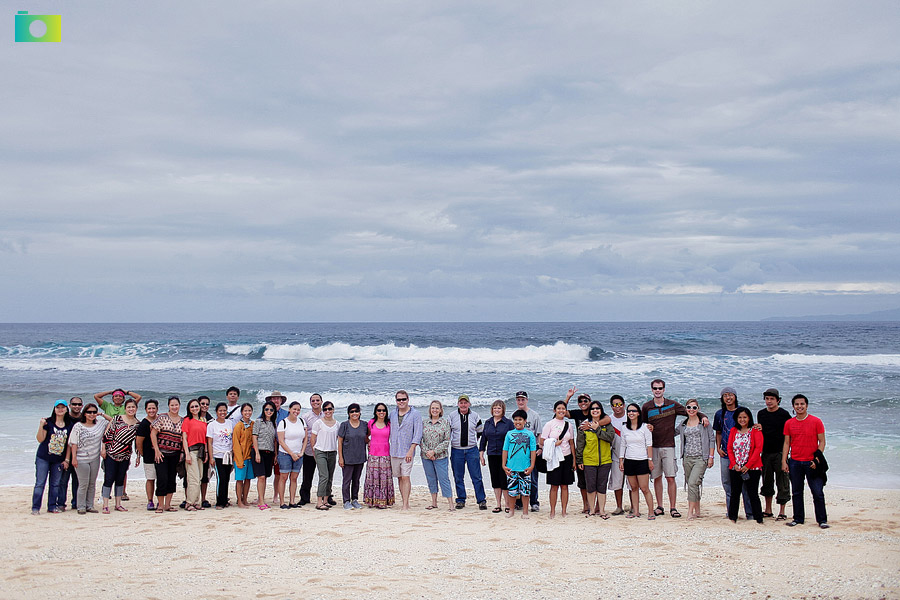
(296, 161)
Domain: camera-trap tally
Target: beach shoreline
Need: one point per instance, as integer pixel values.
(468, 553)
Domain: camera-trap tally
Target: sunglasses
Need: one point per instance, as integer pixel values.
(657, 388)
(380, 410)
(268, 410)
(596, 408)
(76, 404)
(618, 405)
(633, 412)
(692, 407)
(354, 412)
(329, 408)
(90, 412)
(402, 399)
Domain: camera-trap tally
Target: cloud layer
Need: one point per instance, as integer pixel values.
(290, 161)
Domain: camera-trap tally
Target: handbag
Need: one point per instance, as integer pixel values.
(540, 465)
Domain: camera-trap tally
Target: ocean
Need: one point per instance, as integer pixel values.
(850, 371)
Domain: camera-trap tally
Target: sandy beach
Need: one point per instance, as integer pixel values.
(466, 554)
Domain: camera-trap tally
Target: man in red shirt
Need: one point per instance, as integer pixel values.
(804, 435)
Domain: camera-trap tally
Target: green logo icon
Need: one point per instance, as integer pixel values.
(38, 28)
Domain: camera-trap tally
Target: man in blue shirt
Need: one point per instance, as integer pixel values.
(406, 434)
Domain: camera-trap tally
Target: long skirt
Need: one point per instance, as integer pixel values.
(379, 486)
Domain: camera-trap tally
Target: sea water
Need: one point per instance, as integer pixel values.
(849, 371)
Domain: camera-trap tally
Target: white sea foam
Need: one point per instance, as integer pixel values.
(558, 352)
(344, 399)
(880, 360)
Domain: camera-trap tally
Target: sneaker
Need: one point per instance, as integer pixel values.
(824, 525)
(460, 505)
(793, 524)
(535, 507)
(92, 510)
(482, 505)
(81, 511)
(355, 504)
(183, 505)
(54, 511)
(206, 504)
(150, 506)
(347, 506)
(35, 512)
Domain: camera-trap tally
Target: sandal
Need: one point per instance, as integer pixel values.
(658, 511)
(430, 507)
(675, 514)
(159, 510)
(498, 509)
(105, 510)
(781, 518)
(190, 508)
(171, 509)
(121, 508)
(603, 516)
(768, 515)
(651, 517)
(631, 516)
(320, 507)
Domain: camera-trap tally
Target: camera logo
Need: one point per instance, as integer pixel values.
(38, 28)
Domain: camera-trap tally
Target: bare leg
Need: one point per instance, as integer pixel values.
(584, 500)
(591, 501)
(554, 492)
(619, 497)
(293, 487)
(279, 488)
(658, 488)
(601, 503)
(149, 488)
(261, 490)
(498, 494)
(564, 498)
(645, 487)
(769, 503)
(672, 491)
(405, 488)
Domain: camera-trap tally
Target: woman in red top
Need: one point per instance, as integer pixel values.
(193, 440)
(744, 463)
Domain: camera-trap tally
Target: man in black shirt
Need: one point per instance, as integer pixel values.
(772, 419)
(144, 446)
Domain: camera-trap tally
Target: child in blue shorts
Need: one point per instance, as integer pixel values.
(519, 451)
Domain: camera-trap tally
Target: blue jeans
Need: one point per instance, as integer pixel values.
(42, 471)
(436, 472)
(460, 460)
(68, 474)
(725, 473)
(800, 470)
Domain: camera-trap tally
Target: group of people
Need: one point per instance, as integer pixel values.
(585, 446)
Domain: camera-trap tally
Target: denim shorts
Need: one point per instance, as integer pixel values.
(286, 464)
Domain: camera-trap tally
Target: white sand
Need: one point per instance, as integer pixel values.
(304, 553)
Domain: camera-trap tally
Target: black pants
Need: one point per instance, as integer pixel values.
(167, 473)
(114, 475)
(223, 479)
(67, 475)
(350, 481)
(309, 469)
(737, 487)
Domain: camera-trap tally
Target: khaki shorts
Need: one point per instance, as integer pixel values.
(664, 463)
(401, 468)
(616, 475)
(150, 471)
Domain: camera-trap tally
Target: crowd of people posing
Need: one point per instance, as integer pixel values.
(600, 451)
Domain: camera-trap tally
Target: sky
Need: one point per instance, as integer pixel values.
(450, 161)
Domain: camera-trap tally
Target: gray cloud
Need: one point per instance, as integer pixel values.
(452, 160)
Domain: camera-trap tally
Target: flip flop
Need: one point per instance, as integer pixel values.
(604, 516)
(159, 510)
(781, 518)
(105, 510)
(658, 511)
(675, 514)
(121, 508)
(171, 509)
(651, 517)
(497, 510)
(768, 515)
(631, 516)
